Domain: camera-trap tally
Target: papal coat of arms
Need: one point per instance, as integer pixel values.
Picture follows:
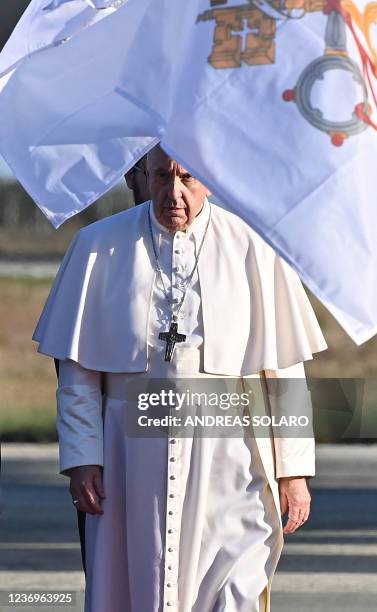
(246, 35)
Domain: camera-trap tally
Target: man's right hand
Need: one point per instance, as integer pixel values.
(86, 486)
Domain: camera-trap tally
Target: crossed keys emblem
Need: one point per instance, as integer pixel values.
(260, 17)
(335, 58)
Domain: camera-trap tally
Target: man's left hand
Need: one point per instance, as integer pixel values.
(295, 499)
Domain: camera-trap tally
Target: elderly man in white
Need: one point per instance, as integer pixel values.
(177, 287)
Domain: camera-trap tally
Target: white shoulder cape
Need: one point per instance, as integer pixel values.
(256, 313)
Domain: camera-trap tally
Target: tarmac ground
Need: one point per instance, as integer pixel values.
(329, 565)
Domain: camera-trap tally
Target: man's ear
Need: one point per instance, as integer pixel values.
(129, 176)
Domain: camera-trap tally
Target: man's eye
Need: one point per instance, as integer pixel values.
(161, 174)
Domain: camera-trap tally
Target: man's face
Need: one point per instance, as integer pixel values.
(177, 196)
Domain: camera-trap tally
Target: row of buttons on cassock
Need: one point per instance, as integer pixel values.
(172, 544)
(180, 285)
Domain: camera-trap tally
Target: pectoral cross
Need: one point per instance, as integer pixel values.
(171, 337)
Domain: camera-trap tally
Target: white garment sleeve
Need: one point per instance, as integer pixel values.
(79, 419)
(293, 456)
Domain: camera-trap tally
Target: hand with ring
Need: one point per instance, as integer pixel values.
(86, 488)
(295, 499)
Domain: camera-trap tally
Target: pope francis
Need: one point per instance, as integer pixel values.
(177, 287)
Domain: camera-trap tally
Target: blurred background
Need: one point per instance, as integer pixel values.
(330, 564)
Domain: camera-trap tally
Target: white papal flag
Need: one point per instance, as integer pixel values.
(271, 103)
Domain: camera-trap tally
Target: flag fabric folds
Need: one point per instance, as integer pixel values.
(271, 103)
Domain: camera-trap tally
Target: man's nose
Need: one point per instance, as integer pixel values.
(175, 188)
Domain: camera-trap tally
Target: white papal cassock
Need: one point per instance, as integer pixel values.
(189, 523)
